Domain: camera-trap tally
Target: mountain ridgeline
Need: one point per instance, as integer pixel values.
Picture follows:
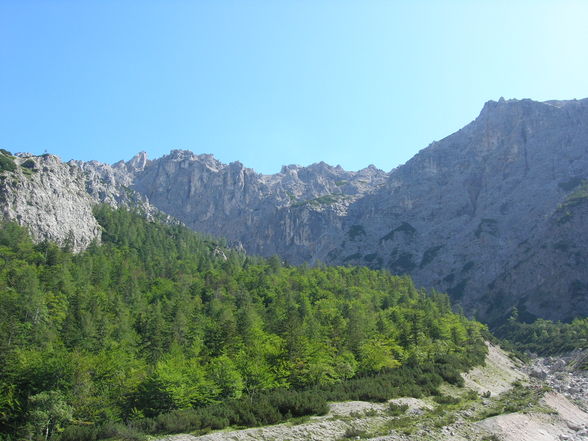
(495, 214)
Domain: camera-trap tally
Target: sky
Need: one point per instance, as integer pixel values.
(270, 83)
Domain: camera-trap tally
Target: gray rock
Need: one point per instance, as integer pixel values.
(55, 199)
(538, 373)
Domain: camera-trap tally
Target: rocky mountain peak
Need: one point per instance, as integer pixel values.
(137, 162)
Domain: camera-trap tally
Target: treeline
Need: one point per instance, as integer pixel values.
(544, 337)
(158, 320)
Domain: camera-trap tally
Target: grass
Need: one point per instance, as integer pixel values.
(404, 424)
(577, 197)
(327, 199)
(520, 398)
(296, 421)
(354, 433)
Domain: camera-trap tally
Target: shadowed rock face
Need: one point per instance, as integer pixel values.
(495, 214)
(479, 214)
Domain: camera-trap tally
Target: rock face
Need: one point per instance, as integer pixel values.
(55, 199)
(295, 213)
(51, 199)
(495, 214)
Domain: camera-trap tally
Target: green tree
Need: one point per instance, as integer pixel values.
(48, 413)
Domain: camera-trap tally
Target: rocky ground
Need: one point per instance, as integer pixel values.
(547, 403)
(562, 374)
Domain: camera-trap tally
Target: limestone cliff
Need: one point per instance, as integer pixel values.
(55, 199)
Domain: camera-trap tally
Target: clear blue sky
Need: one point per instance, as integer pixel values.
(274, 82)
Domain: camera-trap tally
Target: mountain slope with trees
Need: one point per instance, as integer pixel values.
(159, 319)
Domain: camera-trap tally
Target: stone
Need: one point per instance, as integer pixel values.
(538, 373)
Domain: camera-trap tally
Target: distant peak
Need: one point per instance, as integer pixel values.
(503, 106)
(180, 154)
(564, 103)
(322, 165)
(138, 162)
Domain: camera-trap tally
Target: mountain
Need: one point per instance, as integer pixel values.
(495, 214)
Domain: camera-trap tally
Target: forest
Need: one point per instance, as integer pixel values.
(158, 329)
(544, 337)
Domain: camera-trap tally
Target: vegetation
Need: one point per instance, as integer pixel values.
(577, 197)
(156, 331)
(544, 337)
(6, 161)
(327, 199)
(520, 398)
(397, 409)
(356, 231)
(29, 167)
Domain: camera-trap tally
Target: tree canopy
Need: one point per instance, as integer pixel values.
(159, 319)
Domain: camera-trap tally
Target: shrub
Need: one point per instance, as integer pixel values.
(177, 422)
(397, 409)
(79, 433)
(6, 163)
(446, 399)
(30, 164)
(119, 430)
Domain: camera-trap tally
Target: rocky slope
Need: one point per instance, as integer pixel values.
(494, 214)
(564, 375)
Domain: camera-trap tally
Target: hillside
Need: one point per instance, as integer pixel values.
(160, 330)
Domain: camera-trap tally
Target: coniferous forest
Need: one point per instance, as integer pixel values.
(159, 330)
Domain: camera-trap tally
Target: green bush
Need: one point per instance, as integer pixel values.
(544, 337)
(6, 163)
(397, 409)
(30, 164)
(446, 399)
(79, 433)
(120, 431)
